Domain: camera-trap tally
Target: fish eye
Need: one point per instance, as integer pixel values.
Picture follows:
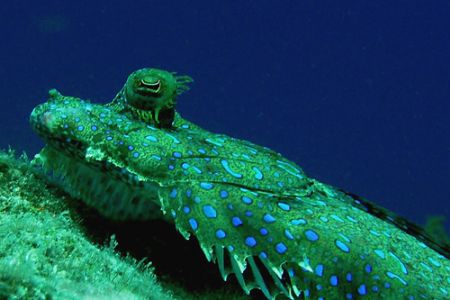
(151, 83)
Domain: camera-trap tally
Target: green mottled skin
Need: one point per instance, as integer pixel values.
(130, 163)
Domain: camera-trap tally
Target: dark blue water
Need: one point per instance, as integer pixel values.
(357, 94)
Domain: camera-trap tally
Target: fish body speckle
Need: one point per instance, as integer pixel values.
(255, 214)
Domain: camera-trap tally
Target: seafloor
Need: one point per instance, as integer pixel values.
(52, 247)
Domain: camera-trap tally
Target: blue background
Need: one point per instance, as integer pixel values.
(358, 94)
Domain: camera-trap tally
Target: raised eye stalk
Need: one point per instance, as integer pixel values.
(150, 94)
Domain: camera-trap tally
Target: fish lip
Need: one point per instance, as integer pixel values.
(44, 124)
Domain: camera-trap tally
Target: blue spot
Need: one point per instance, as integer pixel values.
(351, 219)
(337, 218)
(206, 185)
(345, 238)
(80, 128)
(334, 280)
(230, 248)
(228, 169)
(380, 253)
(349, 296)
(434, 262)
(258, 174)
(319, 287)
(288, 234)
(135, 154)
(323, 219)
(402, 265)
(156, 157)
(263, 231)
(94, 128)
(197, 170)
(230, 206)
(368, 268)
(362, 290)
(236, 221)
(268, 218)
(77, 119)
(291, 272)
(171, 167)
(209, 211)
(151, 138)
(186, 209)
(185, 166)
(189, 193)
(197, 199)
(284, 206)
(130, 148)
(319, 270)
(173, 193)
(311, 235)
(223, 194)
(248, 213)
(193, 223)
(220, 234)
(342, 246)
(349, 277)
(176, 154)
(392, 275)
(202, 151)
(263, 255)
(375, 233)
(298, 222)
(250, 241)
(246, 200)
(375, 289)
(387, 285)
(281, 248)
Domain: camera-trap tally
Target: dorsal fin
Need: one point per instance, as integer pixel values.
(405, 225)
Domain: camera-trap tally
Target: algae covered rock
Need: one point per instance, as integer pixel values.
(49, 248)
(45, 253)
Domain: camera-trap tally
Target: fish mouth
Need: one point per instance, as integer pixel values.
(44, 122)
